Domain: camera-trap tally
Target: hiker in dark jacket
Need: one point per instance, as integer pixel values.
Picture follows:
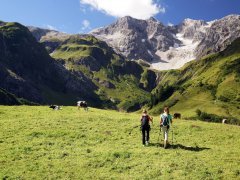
(165, 122)
(145, 127)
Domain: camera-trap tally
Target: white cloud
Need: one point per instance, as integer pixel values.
(140, 9)
(50, 27)
(83, 9)
(85, 24)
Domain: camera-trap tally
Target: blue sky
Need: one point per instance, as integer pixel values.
(80, 16)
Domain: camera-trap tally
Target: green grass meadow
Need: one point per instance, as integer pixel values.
(37, 142)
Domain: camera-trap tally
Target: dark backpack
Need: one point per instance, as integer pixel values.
(165, 121)
(145, 121)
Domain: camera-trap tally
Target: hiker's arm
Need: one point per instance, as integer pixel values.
(160, 122)
(151, 119)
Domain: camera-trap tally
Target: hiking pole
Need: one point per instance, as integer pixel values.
(159, 134)
(130, 132)
(172, 136)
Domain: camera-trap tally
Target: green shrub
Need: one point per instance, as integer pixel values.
(203, 116)
(162, 94)
(198, 111)
(223, 98)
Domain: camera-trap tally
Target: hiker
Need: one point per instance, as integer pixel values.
(145, 127)
(165, 121)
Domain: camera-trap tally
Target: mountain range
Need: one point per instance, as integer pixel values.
(169, 47)
(64, 68)
(118, 66)
(28, 71)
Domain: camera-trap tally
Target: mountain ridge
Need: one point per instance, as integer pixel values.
(164, 47)
(210, 85)
(169, 47)
(84, 67)
(29, 72)
(77, 67)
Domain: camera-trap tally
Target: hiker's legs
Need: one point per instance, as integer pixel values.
(165, 133)
(143, 136)
(147, 130)
(165, 136)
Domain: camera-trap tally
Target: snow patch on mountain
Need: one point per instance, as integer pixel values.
(176, 56)
(149, 52)
(115, 38)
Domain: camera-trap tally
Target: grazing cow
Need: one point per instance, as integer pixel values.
(82, 104)
(55, 107)
(177, 116)
(224, 121)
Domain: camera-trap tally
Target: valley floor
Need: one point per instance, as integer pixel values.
(40, 143)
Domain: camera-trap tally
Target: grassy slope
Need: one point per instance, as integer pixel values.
(127, 93)
(211, 84)
(38, 143)
(10, 99)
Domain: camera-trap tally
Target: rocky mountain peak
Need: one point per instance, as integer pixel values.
(193, 22)
(44, 34)
(192, 29)
(152, 19)
(50, 38)
(137, 39)
(219, 35)
(170, 47)
(231, 17)
(128, 19)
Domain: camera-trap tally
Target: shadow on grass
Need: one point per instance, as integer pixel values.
(180, 146)
(188, 148)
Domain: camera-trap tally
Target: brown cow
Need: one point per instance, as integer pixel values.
(177, 116)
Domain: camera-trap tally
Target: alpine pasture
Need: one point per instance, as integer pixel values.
(37, 142)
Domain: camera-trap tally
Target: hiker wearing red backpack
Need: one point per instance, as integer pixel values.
(165, 121)
(145, 127)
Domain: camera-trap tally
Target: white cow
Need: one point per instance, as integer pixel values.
(224, 121)
(55, 107)
(82, 104)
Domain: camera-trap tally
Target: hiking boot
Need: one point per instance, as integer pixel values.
(147, 143)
